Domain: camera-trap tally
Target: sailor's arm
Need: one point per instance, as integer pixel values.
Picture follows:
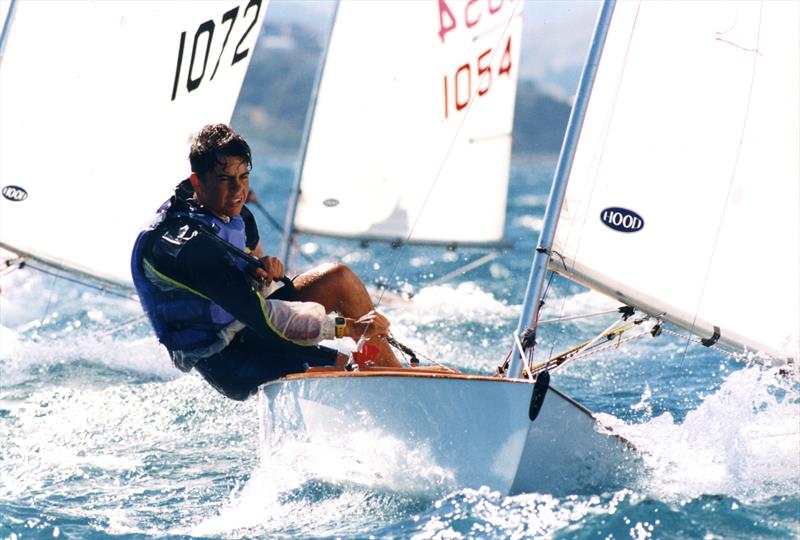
(203, 267)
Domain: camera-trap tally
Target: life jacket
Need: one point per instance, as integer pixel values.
(183, 319)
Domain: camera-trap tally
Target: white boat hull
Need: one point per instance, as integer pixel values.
(416, 430)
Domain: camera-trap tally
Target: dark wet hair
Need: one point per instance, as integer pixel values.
(214, 143)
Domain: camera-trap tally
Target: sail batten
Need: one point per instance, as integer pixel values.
(683, 198)
(398, 241)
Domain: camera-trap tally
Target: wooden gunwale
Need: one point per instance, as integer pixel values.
(421, 373)
(335, 372)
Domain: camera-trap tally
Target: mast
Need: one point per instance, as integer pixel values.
(288, 224)
(533, 292)
(7, 26)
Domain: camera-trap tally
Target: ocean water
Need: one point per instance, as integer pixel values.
(101, 438)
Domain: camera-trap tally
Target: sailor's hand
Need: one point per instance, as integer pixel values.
(271, 269)
(370, 325)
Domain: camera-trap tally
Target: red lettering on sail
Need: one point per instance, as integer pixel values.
(463, 71)
(505, 61)
(446, 111)
(484, 73)
(470, 22)
(445, 15)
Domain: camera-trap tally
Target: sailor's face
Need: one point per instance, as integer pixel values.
(225, 189)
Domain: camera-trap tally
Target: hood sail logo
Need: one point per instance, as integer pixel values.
(14, 193)
(622, 219)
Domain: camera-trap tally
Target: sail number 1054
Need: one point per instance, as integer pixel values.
(458, 88)
(201, 46)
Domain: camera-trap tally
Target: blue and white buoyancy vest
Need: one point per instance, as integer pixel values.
(183, 319)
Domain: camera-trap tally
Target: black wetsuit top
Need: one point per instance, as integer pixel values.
(256, 354)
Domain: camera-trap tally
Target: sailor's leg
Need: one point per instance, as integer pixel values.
(339, 289)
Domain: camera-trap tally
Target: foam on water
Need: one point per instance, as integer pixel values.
(742, 441)
(463, 302)
(23, 361)
(531, 200)
(531, 223)
(124, 456)
(72, 325)
(323, 490)
(311, 509)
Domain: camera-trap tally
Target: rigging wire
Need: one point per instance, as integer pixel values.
(21, 262)
(596, 345)
(49, 296)
(538, 313)
(464, 269)
(581, 316)
(122, 325)
(85, 282)
(528, 336)
(252, 198)
(600, 346)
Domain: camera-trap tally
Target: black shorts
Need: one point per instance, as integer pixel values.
(250, 360)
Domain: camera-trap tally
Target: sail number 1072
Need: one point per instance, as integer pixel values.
(201, 46)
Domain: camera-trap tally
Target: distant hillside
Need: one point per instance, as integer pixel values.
(539, 121)
(274, 100)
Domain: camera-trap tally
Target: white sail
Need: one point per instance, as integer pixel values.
(684, 195)
(98, 104)
(414, 112)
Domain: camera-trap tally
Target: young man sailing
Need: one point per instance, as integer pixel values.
(203, 293)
